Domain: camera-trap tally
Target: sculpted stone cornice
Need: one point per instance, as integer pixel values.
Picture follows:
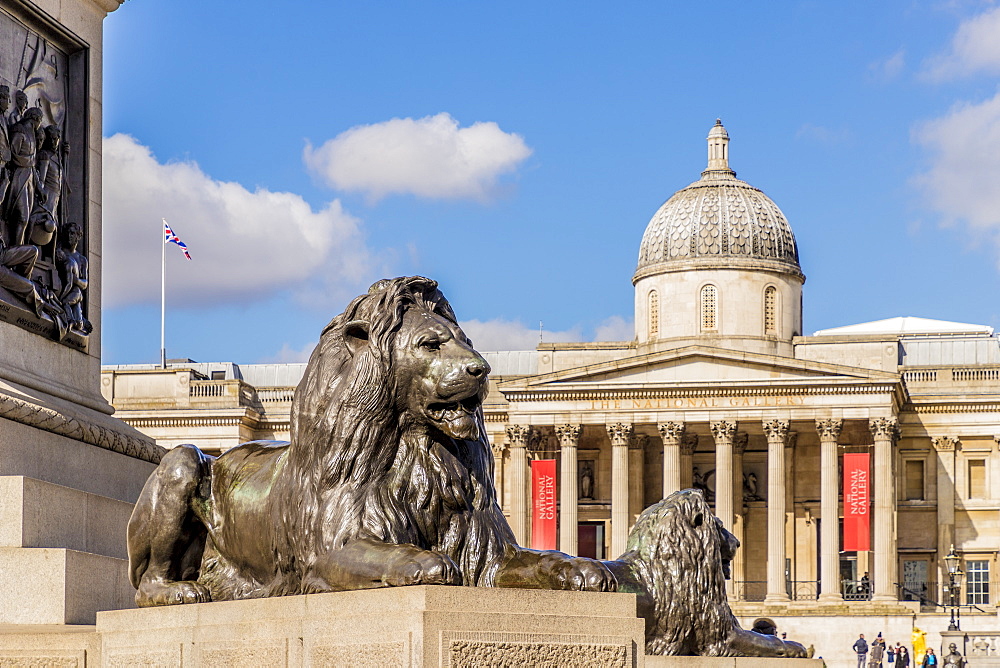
(539, 394)
(47, 419)
(568, 434)
(945, 443)
(884, 429)
(776, 430)
(671, 432)
(740, 442)
(723, 431)
(829, 430)
(620, 433)
(689, 443)
(517, 435)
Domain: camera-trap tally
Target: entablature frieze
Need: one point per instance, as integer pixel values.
(673, 397)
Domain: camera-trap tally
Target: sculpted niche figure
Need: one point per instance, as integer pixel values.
(23, 187)
(74, 271)
(387, 481)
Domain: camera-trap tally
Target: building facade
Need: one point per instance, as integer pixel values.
(719, 389)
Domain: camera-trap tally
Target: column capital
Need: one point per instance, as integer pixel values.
(671, 432)
(776, 430)
(568, 434)
(723, 431)
(884, 429)
(689, 443)
(740, 442)
(620, 433)
(517, 434)
(829, 430)
(638, 442)
(498, 447)
(944, 443)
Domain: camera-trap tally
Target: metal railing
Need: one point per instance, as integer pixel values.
(856, 590)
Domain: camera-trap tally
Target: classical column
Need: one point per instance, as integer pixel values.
(884, 433)
(723, 432)
(636, 477)
(945, 447)
(569, 437)
(498, 448)
(671, 433)
(689, 443)
(620, 435)
(777, 432)
(739, 518)
(517, 436)
(829, 558)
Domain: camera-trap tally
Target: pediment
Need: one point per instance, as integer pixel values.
(698, 364)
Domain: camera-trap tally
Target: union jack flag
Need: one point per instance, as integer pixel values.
(170, 237)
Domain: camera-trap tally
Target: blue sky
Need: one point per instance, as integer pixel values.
(516, 151)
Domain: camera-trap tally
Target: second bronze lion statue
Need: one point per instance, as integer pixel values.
(387, 479)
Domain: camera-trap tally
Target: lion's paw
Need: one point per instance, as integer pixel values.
(583, 574)
(424, 567)
(159, 592)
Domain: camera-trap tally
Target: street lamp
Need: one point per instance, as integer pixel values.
(955, 576)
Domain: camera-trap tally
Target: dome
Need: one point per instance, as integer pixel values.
(718, 221)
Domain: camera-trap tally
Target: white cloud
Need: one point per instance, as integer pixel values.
(246, 245)
(500, 334)
(822, 134)
(429, 157)
(974, 48)
(290, 355)
(965, 159)
(615, 328)
(890, 67)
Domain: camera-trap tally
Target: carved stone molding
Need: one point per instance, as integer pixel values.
(689, 443)
(671, 432)
(517, 435)
(537, 440)
(40, 417)
(944, 443)
(620, 433)
(723, 431)
(829, 430)
(740, 442)
(569, 434)
(776, 430)
(498, 448)
(638, 442)
(884, 428)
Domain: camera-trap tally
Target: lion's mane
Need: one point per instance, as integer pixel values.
(360, 480)
(676, 549)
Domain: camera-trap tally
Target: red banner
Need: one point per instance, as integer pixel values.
(857, 486)
(543, 503)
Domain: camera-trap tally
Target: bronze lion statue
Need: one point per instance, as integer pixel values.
(677, 561)
(387, 479)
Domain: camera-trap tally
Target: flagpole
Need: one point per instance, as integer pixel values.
(163, 299)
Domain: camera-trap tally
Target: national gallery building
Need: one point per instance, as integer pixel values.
(721, 390)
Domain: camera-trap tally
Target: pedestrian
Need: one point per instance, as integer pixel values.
(902, 657)
(861, 647)
(890, 654)
(877, 652)
(930, 659)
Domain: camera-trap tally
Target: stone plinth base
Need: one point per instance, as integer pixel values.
(403, 626)
(740, 662)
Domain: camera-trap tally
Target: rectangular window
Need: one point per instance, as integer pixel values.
(977, 588)
(977, 479)
(914, 472)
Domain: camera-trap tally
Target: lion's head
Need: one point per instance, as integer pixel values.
(683, 553)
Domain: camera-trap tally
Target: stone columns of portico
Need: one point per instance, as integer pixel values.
(498, 448)
(829, 559)
(620, 435)
(739, 518)
(689, 443)
(723, 432)
(672, 433)
(777, 433)
(517, 435)
(884, 431)
(945, 447)
(569, 437)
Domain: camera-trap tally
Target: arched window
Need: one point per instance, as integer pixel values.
(770, 310)
(709, 309)
(654, 314)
